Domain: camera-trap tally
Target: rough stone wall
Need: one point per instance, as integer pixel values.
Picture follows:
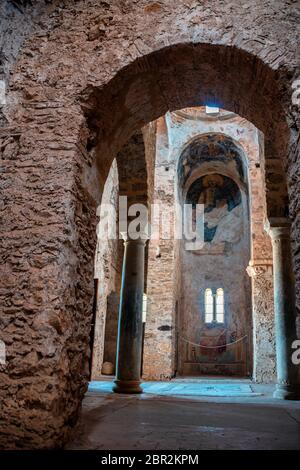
(264, 360)
(19, 19)
(149, 136)
(89, 76)
(261, 271)
(133, 170)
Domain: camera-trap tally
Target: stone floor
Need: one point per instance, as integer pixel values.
(188, 414)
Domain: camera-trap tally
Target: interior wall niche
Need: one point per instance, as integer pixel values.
(213, 172)
(214, 149)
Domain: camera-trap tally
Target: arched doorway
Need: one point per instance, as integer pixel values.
(275, 148)
(235, 150)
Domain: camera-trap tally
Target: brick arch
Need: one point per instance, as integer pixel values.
(92, 126)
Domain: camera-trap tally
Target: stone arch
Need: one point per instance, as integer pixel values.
(199, 75)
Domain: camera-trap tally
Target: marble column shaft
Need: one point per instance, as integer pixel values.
(130, 329)
(288, 386)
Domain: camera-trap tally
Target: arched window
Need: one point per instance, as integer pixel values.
(220, 305)
(209, 306)
(214, 306)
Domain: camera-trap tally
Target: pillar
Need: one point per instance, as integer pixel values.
(288, 385)
(130, 328)
(162, 286)
(264, 361)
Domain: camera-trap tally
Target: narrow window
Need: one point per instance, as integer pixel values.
(212, 110)
(220, 306)
(214, 306)
(209, 306)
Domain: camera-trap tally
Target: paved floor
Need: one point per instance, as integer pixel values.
(186, 388)
(186, 415)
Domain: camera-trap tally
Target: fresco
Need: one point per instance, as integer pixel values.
(210, 148)
(223, 216)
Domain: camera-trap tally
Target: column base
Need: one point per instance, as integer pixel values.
(287, 392)
(127, 386)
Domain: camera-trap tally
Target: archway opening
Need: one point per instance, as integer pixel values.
(216, 319)
(143, 92)
(194, 157)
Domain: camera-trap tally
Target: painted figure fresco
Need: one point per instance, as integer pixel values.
(210, 149)
(222, 207)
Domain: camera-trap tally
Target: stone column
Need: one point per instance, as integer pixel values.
(130, 329)
(288, 386)
(264, 362)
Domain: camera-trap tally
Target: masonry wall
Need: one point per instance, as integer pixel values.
(159, 342)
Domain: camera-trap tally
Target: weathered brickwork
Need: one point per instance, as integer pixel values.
(159, 347)
(88, 75)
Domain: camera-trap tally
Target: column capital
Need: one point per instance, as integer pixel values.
(141, 239)
(278, 227)
(260, 267)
